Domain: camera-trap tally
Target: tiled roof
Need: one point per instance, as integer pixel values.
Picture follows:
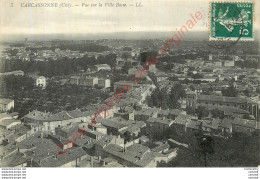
(193, 124)
(176, 112)
(4, 115)
(7, 122)
(229, 110)
(13, 160)
(164, 112)
(136, 154)
(5, 101)
(222, 99)
(161, 147)
(71, 155)
(148, 112)
(226, 123)
(244, 123)
(113, 124)
(212, 123)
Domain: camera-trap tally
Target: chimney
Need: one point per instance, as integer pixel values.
(91, 161)
(124, 149)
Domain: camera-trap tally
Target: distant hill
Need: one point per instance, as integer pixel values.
(189, 36)
(202, 35)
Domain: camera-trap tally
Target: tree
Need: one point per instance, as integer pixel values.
(231, 91)
(159, 98)
(216, 113)
(173, 78)
(126, 67)
(247, 92)
(177, 92)
(202, 111)
(190, 110)
(206, 144)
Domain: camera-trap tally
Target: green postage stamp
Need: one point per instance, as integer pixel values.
(231, 21)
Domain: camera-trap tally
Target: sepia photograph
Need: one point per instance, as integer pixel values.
(165, 84)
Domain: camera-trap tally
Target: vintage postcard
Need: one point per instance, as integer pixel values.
(129, 83)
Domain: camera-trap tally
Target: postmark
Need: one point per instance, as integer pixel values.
(231, 21)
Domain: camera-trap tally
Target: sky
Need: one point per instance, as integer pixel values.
(154, 16)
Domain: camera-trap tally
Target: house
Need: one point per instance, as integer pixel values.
(211, 125)
(42, 121)
(160, 76)
(102, 67)
(4, 116)
(244, 126)
(16, 159)
(73, 157)
(158, 125)
(104, 83)
(196, 88)
(226, 127)
(228, 63)
(66, 131)
(18, 72)
(179, 124)
(161, 148)
(163, 113)
(113, 127)
(8, 123)
(94, 134)
(145, 114)
(6, 104)
(41, 82)
(175, 112)
(193, 126)
(88, 81)
(132, 71)
(136, 155)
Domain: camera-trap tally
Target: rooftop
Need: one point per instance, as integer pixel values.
(5, 101)
(222, 99)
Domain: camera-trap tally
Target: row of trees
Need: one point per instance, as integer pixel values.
(160, 98)
(231, 91)
(202, 112)
(58, 67)
(53, 99)
(248, 64)
(74, 47)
